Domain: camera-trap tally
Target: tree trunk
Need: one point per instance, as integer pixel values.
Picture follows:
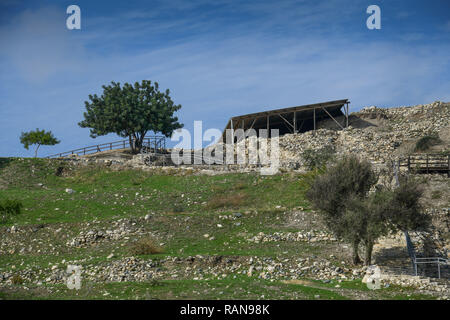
(140, 140)
(130, 140)
(139, 144)
(136, 142)
(35, 151)
(368, 257)
(356, 259)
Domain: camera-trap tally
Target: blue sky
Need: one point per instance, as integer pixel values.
(219, 58)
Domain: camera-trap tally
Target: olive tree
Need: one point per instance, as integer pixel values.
(358, 216)
(403, 209)
(339, 196)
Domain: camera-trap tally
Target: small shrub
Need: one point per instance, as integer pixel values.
(227, 201)
(177, 208)
(436, 194)
(318, 158)
(445, 153)
(16, 279)
(146, 246)
(60, 171)
(9, 208)
(138, 180)
(427, 142)
(239, 186)
(154, 283)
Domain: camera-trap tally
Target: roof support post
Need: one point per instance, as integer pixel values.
(232, 132)
(346, 115)
(295, 122)
(268, 127)
(332, 118)
(285, 120)
(301, 125)
(314, 120)
(253, 123)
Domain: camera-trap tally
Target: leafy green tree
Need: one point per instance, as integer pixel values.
(39, 138)
(131, 111)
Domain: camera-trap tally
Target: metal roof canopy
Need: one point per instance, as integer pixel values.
(290, 120)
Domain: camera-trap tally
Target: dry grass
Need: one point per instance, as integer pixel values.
(227, 201)
(146, 246)
(239, 186)
(298, 281)
(16, 279)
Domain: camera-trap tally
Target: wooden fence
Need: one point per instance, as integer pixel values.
(426, 163)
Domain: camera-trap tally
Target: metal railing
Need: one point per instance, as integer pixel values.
(156, 143)
(428, 260)
(433, 260)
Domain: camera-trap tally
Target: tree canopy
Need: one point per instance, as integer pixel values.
(38, 137)
(131, 111)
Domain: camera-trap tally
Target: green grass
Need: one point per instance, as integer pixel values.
(241, 287)
(104, 194)
(183, 208)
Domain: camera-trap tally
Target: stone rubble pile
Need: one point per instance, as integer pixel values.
(414, 121)
(126, 229)
(93, 236)
(401, 125)
(195, 267)
(372, 142)
(310, 236)
(201, 267)
(216, 267)
(377, 143)
(421, 283)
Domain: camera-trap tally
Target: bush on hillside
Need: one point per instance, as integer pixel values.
(17, 279)
(427, 142)
(315, 159)
(9, 208)
(146, 246)
(234, 200)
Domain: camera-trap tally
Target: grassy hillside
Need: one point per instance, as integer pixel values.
(202, 224)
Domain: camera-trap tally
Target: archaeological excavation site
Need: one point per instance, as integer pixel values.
(224, 159)
(141, 226)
